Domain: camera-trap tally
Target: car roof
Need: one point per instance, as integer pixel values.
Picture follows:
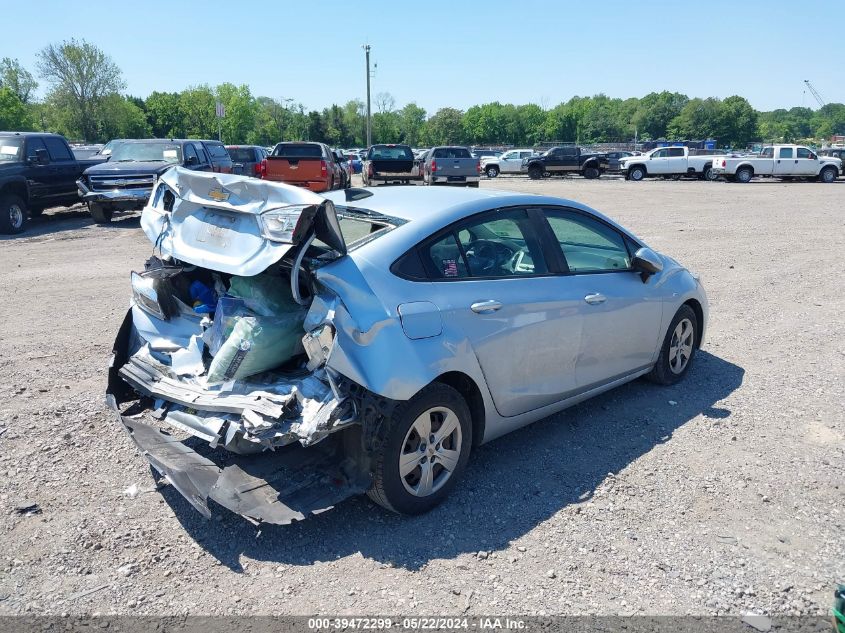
(427, 210)
(28, 134)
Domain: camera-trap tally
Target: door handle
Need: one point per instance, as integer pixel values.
(595, 298)
(485, 307)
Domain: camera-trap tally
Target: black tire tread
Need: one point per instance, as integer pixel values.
(660, 373)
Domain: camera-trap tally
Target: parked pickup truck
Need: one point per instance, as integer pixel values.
(390, 163)
(304, 164)
(780, 161)
(565, 160)
(449, 165)
(509, 162)
(37, 171)
(125, 181)
(667, 161)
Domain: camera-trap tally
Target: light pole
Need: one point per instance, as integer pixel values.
(369, 112)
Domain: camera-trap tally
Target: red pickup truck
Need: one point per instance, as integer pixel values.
(309, 165)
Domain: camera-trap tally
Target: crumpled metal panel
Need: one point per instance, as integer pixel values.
(215, 220)
(274, 487)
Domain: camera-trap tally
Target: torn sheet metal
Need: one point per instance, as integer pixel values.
(222, 222)
(274, 487)
(171, 335)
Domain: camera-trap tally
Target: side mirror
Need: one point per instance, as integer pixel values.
(647, 262)
(191, 160)
(41, 157)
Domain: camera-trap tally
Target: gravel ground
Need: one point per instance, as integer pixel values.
(722, 494)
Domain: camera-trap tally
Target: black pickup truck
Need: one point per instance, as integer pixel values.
(390, 163)
(568, 159)
(126, 180)
(37, 171)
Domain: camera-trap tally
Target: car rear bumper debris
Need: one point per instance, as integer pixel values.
(276, 487)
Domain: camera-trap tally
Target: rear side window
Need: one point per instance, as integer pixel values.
(494, 245)
(588, 245)
(217, 150)
(452, 152)
(675, 152)
(298, 150)
(58, 151)
(785, 152)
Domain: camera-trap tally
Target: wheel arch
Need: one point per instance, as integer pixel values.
(17, 188)
(634, 165)
(744, 166)
(471, 393)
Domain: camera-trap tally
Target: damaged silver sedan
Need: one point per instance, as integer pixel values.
(285, 350)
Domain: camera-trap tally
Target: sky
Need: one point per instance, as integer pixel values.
(455, 53)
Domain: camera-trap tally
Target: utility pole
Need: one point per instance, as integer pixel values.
(369, 112)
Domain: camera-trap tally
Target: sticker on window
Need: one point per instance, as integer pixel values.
(11, 150)
(450, 268)
(170, 153)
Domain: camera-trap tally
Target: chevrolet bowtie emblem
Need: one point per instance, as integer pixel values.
(220, 195)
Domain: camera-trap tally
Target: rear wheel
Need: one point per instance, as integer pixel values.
(744, 174)
(492, 171)
(424, 453)
(708, 174)
(828, 174)
(591, 172)
(535, 172)
(13, 214)
(100, 212)
(678, 348)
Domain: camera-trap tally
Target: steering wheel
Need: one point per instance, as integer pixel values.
(488, 254)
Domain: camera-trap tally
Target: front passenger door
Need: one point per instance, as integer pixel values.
(621, 315)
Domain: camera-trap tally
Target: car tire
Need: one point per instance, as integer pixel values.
(827, 175)
(678, 349)
(492, 171)
(591, 173)
(100, 212)
(744, 174)
(636, 173)
(474, 185)
(413, 493)
(707, 174)
(13, 214)
(535, 172)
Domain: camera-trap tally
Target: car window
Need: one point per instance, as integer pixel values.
(588, 245)
(661, 153)
(190, 152)
(217, 150)
(32, 145)
(242, 154)
(496, 244)
(525, 154)
(768, 152)
(201, 153)
(508, 155)
(803, 152)
(676, 152)
(785, 152)
(58, 151)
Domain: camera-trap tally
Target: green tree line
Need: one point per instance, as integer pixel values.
(85, 101)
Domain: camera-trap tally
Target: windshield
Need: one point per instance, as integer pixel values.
(147, 152)
(397, 152)
(10, 149)
(452, 152)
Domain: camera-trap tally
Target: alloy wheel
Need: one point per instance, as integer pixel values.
(680, 347)
(430, 452)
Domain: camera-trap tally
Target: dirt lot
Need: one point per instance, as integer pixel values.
(723, 494)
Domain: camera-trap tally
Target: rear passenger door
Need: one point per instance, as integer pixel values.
(785, 162)
(63, 169)
(676, 160)
(495, 290)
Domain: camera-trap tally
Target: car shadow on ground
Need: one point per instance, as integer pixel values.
(72, 219)
(511, 485)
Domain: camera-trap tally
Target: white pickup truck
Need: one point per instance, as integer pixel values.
(509, 162)
(666, 161)
(780, 161)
